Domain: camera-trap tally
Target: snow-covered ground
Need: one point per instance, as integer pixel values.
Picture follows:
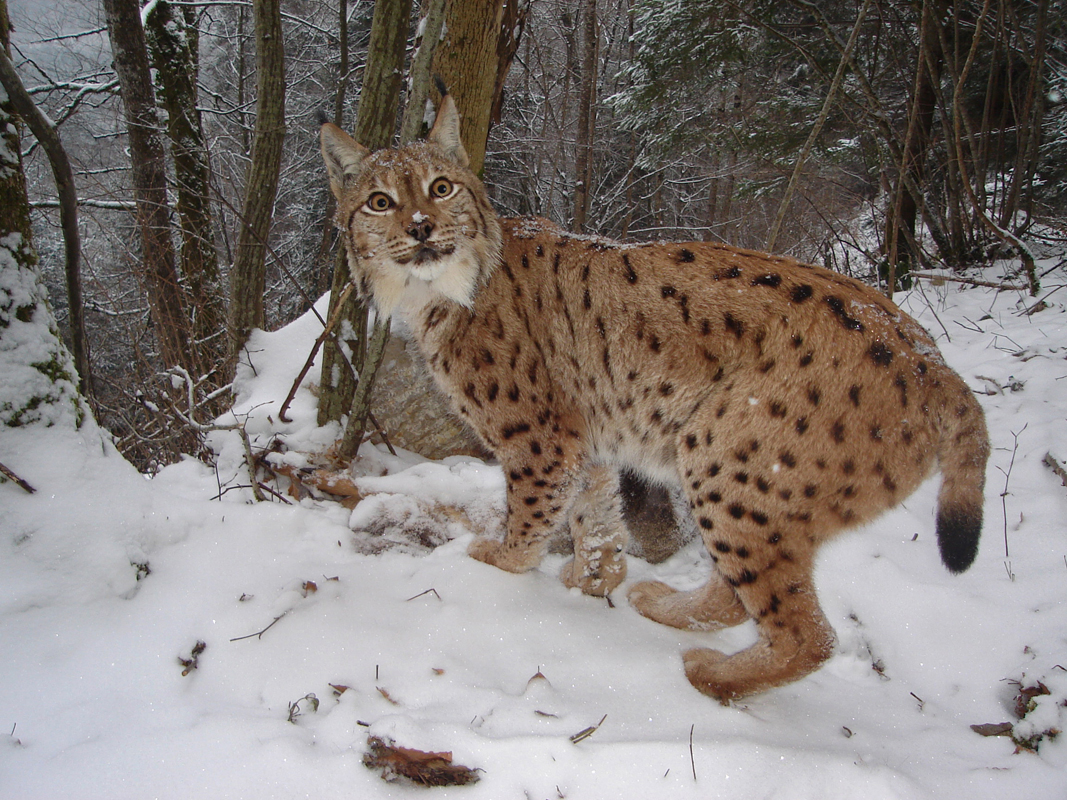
(108, 579)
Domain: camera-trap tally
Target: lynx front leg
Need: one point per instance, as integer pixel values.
(543, 479)
(599, 534)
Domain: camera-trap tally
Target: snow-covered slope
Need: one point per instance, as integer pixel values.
(107, 579)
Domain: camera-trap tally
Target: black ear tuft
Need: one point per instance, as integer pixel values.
(439, 82)
(321, 118)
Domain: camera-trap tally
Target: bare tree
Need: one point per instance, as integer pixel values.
(148, 171)
(172, 43)
(248, 277)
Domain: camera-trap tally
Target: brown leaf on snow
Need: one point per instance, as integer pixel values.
(417, 766)
(993, 729)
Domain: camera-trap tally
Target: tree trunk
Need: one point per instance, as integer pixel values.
(248, 278)
(511, 28)
(379, 100)
(39, 378)
(149, 177)
(172, 44)
(419, 77)
(467, 61)
(900, 228)
(583, 156)
(47, 135)
(383, 76)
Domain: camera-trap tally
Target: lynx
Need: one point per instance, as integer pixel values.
(787, 401)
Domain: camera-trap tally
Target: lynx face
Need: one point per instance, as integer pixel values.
(786, 401)
(416, 222)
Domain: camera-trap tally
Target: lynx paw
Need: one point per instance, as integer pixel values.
(486, 550)
(598, 579)
(707, 609)
(496, 553)
(708, 670)
(647, 598)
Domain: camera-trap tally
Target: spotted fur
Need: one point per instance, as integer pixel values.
(787, 401)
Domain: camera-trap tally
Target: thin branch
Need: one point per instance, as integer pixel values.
(11, 476)
(259, 634)
(283, 413)
(936, 276)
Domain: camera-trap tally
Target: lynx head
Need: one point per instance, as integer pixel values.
(416, 222)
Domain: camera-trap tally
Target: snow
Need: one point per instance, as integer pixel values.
(442, 653)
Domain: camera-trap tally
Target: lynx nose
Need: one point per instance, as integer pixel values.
(420, 228)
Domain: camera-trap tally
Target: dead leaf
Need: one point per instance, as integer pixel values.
(418, 766)
(993, 729)
(1025, 696)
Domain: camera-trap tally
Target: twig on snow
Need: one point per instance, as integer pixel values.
(1053, 464)
(259, 634)
(585, 733)
(11, 476)
(692, 761)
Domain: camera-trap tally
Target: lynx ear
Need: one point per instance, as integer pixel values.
(343, 156)
(445, 132)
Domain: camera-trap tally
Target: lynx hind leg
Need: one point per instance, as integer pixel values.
(711, 607)
(794, 639)
(599, 534)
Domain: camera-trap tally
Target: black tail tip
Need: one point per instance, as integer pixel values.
(439, 82)
(320, 117)
(958, 532)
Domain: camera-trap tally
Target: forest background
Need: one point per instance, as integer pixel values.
(876, 137)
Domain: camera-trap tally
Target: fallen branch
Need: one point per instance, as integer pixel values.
(11, 476)
(1054, 464)
(939, 276)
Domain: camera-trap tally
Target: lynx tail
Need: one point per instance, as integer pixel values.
(962, 452)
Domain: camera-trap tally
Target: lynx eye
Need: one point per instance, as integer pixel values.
(379, 202)
(441, 188)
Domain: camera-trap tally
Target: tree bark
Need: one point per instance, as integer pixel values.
(583, 157)
(248, 277)
(383, 76)
(171, 38)
(467, 61)
(419, 77)
(148, 172)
